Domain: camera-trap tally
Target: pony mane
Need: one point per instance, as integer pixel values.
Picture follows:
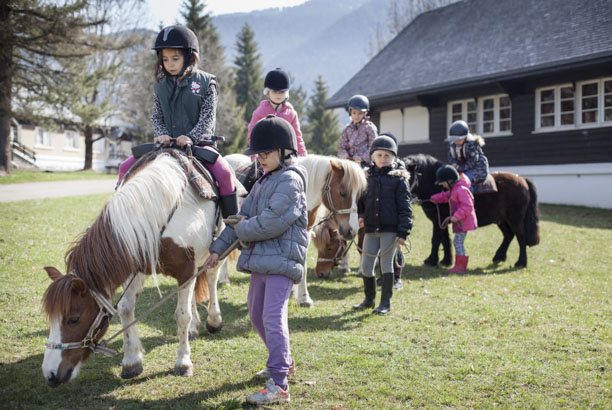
(125, 237)
(56, 300)
(318, 166)
(323, 233)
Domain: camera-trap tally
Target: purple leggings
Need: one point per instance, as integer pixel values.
(268, 303)
(220, 170)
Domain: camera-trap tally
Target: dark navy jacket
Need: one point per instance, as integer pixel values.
(385, 205)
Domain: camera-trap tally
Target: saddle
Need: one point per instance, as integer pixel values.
(486, 186)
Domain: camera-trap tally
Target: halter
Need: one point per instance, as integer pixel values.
(327, 191)
(340, 252)
(102, 320)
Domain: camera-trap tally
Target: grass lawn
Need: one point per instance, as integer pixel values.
(18, 176)
(539, 337)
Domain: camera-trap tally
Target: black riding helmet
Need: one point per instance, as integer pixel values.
(272, 133)
(176, 37)
(458, 130)
(358, 102)
(448, 174)
(384, 142)
(277, 80)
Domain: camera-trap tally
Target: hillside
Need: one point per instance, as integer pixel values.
(324, 37)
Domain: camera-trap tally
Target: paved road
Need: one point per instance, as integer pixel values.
(56, 189)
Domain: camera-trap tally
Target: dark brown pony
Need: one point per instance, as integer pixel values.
(514, 209)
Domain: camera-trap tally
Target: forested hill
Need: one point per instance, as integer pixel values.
(324, 37)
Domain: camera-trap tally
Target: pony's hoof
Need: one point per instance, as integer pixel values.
(307, 303)
(212, 329)
(128, 372)
(499, 259)
(184, 371)
(193, 335)
(430, 262)
(520, 265)
(446, 262)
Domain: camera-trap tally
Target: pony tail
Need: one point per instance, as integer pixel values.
(201, 291)
(532, 217)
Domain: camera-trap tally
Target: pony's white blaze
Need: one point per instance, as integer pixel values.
(52, 357)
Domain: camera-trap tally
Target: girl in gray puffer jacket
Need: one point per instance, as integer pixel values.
(274, 234)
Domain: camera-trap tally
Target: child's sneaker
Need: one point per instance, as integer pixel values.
(265, 374)
(270, 394)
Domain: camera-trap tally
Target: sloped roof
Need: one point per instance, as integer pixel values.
(479, 40)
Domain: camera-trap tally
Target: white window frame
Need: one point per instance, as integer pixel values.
(72, 136)
(464, 111)
(496, 116)
(480, 114)
(578, 124)
(600, 104)
(46, 139)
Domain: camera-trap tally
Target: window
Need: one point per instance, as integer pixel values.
(490, 116)
(71, 140)
(410, 125)
(43, 138)
(565, 106)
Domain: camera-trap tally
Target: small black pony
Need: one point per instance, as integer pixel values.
(514, 208)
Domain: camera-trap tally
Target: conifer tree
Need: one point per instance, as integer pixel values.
(322, 126)
(212, 60)
(248, 83)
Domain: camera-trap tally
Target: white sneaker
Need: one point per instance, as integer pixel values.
(265, 373)
(270, 394)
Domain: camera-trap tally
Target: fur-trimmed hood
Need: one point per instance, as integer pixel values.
(476, 138)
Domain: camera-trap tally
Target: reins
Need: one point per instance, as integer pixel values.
(407, 247)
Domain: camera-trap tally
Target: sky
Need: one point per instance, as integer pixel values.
(168, 11)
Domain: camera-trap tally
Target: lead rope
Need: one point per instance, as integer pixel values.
(407, 248)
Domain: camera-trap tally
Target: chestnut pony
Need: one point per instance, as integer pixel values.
(333, 183)
(155, 222)
(513, 208)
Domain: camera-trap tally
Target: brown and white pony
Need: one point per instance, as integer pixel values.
(155, 222)
(333, 183)
(332, 249)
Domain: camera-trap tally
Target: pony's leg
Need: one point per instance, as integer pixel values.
(214, 321)
(501, 253)
(131, 365)
(224, 274)
(300, 291)
(343, 266)
(447, 247)
(194, 326)
(432, 259)
(183, 316)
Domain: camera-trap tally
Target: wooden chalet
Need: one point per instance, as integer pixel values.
(533, 77)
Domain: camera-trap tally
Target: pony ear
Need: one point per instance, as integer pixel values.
(79, 286)
(336, 167)
(53, 273)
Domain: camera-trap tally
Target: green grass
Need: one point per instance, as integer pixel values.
(18, 176)
(539, 337)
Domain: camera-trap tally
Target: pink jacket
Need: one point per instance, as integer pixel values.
(461, 205)
(285, 112)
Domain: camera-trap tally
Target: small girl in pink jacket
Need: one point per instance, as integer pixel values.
(463, 215)
(276, 89)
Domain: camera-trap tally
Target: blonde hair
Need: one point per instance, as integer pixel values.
(266, 91)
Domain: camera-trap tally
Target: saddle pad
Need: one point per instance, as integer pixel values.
(486, 186)
(242, 172)
(198, 176)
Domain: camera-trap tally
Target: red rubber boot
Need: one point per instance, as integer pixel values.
(461, 262)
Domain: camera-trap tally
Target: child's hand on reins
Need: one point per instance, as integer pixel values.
(454, 219)
(401, 241)
(184, 140)
(212, 261)
(162, 139)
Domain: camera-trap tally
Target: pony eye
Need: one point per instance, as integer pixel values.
(72, 320)
(342, 194)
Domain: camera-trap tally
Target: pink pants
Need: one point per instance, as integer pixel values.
(220, 170)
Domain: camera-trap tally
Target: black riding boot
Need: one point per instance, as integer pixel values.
(229, 204)
(386, 293)
(369, 287)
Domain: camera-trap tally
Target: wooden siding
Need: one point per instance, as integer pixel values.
(524, 147)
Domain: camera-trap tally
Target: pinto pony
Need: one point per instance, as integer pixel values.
(513, 208)
(155, 222)
(333, 183)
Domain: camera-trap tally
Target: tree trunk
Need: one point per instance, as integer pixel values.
(6, 69)
(88, 147)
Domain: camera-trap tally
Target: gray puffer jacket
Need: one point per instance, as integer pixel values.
(276, 226)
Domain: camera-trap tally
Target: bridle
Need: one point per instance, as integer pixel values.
(100, 323)
(340, 252)
(333, 211)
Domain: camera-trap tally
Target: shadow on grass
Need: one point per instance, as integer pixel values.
(577, 216)
(433, 272)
